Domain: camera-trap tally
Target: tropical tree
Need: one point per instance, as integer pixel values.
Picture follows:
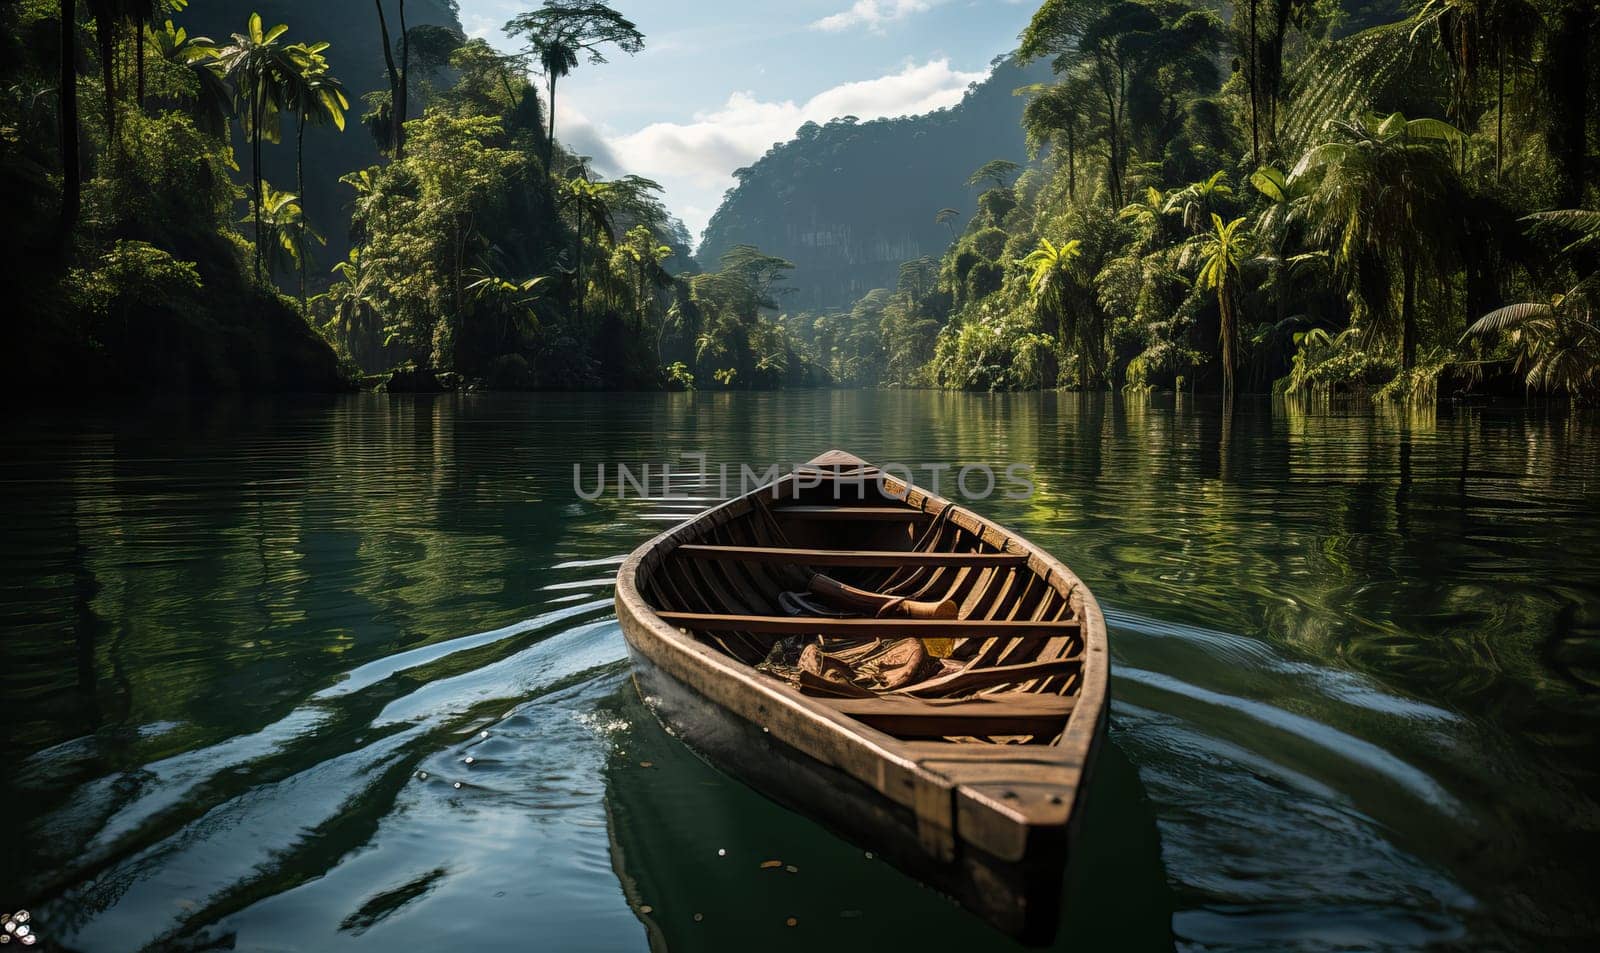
(213, 104)
(1198, 200)
(67, 108)
(1380, 202)
(1049, 278)
(511, 301)
(282, 235)
(262, 70)
(394, 128)
(355, 298)
(947, 217)
(1556, 342)
(1059, 114)
(1273, 228)
(315, 97)
(644, 257)
(998, 171)
(1475, 35)
(588, 206)
(1142, 61)
(562, 31)
(1221, 256)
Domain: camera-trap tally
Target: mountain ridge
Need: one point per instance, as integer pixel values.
(848, 201)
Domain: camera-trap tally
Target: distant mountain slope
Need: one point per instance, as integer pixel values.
(356, 57)
(849, 201)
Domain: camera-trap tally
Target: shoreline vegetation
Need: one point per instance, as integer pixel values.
(1366, 198)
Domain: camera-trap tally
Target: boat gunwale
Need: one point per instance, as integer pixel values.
(898, 768)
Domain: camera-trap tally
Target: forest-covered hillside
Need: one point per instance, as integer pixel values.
(848, 201)
(1313, 198)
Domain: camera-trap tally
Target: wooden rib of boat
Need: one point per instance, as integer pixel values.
(919, 679)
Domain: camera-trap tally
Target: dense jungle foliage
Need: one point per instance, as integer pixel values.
(1309, 195)
(1264, 196)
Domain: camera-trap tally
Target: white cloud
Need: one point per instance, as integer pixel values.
(695, 160)
(872, 14)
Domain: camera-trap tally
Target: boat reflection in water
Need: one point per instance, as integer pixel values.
(710, 864)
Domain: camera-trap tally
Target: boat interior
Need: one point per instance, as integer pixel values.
(909, 614)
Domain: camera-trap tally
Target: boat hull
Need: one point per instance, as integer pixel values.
(1021, 899)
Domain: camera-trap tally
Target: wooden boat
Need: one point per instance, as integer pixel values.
(949, 692)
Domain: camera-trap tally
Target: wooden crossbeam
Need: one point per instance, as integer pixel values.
(785, 625)
(915, 718)
(883, 559)
(883, 513)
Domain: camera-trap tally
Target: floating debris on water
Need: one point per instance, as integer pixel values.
(456, 785)
(647, 909)
(698, 917)
(722, 851)
(483, 734)
(647, 764)
(422, 775)
(869, 855)
(771, 864)
(469, 759)
(791, 922)
(791, 868)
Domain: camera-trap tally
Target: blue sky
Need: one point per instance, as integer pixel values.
(720, 81)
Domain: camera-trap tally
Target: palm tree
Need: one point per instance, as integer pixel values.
(589, 204)
(947, 217)
(213, 106)
(317, 98)
(1221, 256)
(557, 58)
(511, 301)
(998, 171)
(356, 298)
(1557, 343)
(281, 230)
(646, 258)
(562, 30)
(1274, 227)
(1199, 199)
(261, 71)
(1383, 191)
(1586, 222)
(1049, 276)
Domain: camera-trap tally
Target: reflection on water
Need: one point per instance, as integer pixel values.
(248, 650)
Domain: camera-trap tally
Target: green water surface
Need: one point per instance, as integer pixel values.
(1356, 660)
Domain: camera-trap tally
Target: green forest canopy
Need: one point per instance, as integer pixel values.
(1273, 194)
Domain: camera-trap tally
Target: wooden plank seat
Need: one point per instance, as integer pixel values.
(846, 512)
(880, 559)
(924, 718)
(784, 625)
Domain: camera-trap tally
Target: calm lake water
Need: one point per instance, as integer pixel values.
(1356, 682)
